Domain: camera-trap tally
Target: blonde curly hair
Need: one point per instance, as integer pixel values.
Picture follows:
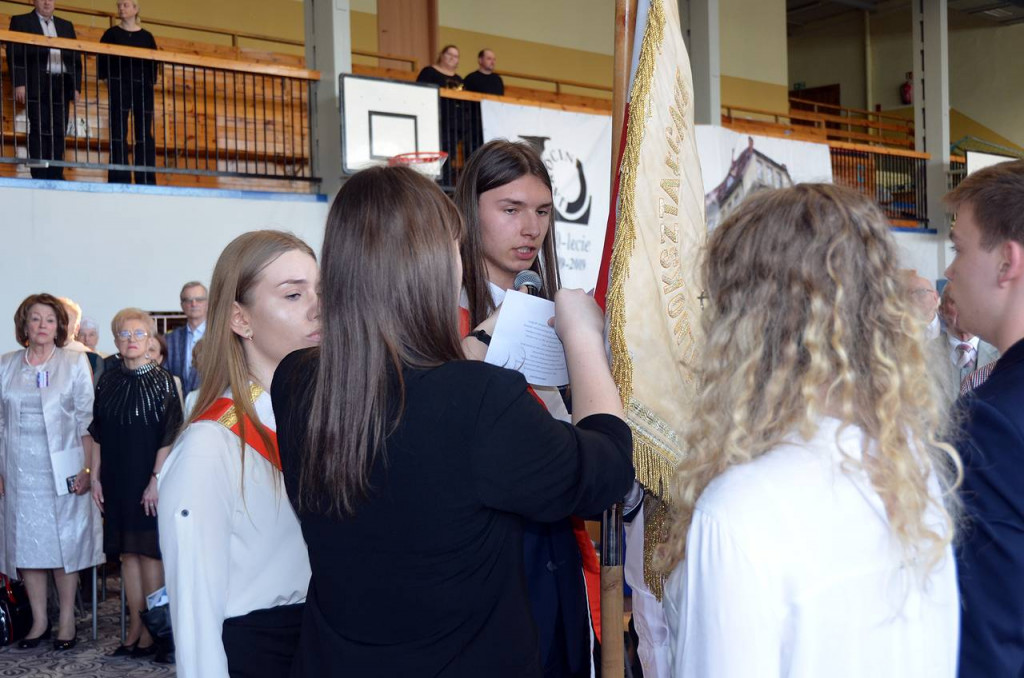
(806, 318)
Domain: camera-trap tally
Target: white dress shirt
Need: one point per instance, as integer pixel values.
(224, 556)
(56, 65)
(792, 571)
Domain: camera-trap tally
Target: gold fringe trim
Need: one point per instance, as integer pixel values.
(653, 470)
(626, 224)
(656, 517)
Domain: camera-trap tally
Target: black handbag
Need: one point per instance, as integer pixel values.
(15, 611)
(158, 621)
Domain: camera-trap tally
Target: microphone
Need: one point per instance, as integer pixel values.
(530, 279)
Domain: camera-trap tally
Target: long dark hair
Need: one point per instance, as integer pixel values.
(389, 300)
(495, 164)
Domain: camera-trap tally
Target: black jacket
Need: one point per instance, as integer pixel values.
(28, 62)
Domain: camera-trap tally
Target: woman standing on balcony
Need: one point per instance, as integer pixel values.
(443, 72)
(129, 90)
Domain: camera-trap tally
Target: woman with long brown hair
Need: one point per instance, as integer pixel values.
(237, 568)
(411, 468)
(811, 517)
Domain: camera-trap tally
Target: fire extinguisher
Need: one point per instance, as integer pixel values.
(907, 91)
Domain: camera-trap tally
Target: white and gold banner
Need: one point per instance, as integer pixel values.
(653, 301)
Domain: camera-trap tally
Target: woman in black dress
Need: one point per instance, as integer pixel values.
(411, 469)
(129, 90)
(136, 414)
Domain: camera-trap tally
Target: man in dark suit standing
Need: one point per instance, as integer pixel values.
(987, 283)
(47, 81)
(181, 342)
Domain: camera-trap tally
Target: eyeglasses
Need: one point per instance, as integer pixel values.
(138, 334)
(193, 300)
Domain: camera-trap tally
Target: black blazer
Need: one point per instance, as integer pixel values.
(427, 578)
(28, 62)
(990, 556)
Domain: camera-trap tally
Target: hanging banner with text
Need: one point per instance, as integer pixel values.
(576, 148)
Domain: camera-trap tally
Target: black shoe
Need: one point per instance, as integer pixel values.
(124, 650)
(61, 645)
(164, 657)
(139, 652)
(29, 643)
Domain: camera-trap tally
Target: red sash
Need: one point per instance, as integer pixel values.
(224, 413)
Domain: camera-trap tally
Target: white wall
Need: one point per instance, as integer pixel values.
(109, 250)
(920, 251)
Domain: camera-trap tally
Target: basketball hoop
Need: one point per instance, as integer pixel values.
(426, 163)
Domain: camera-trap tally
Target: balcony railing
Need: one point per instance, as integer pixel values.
(208, 117)
(895, 179)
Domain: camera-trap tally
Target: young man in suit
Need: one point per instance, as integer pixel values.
(46, 81)
(987, 279)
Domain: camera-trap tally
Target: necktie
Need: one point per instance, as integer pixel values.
(964, 355)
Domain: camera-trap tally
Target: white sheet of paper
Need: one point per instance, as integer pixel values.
(523, 341)
(66, 464)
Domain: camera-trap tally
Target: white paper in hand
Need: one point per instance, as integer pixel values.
(524, 341)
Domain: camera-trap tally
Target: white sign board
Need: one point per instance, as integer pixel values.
(384, 118)
(977, 160)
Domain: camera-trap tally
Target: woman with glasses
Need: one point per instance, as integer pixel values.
(136, 415)
(45, 410)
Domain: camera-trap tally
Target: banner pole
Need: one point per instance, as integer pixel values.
(613, 663)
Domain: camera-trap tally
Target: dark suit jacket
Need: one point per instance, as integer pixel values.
(426, 579)
(990, 557)
(177, 347)
(28, 62)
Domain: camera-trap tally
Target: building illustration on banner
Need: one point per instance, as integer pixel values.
(748, 173)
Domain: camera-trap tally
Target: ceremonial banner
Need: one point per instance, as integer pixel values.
(576, 149)
(653, 299)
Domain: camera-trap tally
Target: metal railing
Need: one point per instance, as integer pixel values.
(895, 179)
(957, 171)
(189, 116)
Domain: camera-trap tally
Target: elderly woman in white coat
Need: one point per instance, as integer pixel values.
(236, 562)
(49, 523)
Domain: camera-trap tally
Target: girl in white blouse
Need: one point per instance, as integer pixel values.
(237, 567)
(812, 524)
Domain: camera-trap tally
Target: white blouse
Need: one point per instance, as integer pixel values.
(224, 556)
(792, 571)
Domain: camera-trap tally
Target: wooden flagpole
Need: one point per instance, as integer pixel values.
(613, 662)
